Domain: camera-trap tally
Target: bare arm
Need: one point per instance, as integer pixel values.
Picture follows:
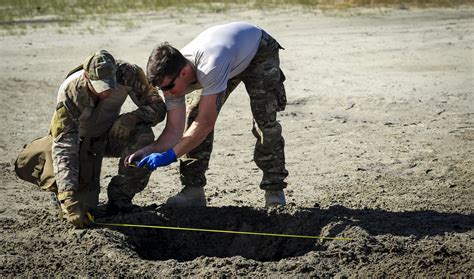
(208, 111)
(201, 127)
(175, 121)
(173, 131)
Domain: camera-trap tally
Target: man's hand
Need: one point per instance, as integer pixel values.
(123, 126)
(74, 210)
(155, 160)
(134, 157)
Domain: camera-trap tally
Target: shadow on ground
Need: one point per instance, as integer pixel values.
(162, 244)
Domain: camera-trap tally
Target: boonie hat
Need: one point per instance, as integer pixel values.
(101, 70)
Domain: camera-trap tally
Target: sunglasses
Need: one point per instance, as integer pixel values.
(171, 84)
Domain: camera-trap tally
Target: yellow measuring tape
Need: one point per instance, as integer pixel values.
(91, 218)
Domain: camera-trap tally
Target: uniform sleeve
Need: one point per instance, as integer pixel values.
(151, 108)
(173, 102)
(64, 129)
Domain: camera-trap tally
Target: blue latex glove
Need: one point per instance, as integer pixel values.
(155, 160)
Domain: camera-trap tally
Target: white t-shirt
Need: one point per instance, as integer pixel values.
(219, 54)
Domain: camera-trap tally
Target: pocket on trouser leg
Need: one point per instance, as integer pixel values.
(86, 171)
(89, 198)
(90, 164)
(89, 180)
(141, 135)
(281, 93)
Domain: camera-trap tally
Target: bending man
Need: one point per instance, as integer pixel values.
(216, 61)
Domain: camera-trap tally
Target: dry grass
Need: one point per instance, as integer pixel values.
(11, 10)
(18, 15)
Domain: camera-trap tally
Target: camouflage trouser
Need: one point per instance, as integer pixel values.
(123, 186)
(263, 81)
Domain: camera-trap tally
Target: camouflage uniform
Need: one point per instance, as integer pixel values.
(80, 129)
(263, 80)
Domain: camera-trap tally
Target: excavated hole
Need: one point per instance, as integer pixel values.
(160, 244)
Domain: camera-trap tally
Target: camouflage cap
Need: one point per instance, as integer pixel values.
(101, 70)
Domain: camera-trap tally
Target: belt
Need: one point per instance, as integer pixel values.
(266, 38)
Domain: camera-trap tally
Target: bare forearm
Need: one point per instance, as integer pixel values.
(164, 142)
(201, 127)
(192, 138)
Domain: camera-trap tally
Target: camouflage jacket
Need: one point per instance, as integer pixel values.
(74, 117)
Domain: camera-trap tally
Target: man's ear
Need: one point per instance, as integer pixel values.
(187, 73)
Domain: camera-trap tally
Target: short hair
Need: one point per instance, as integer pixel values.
(164, 60)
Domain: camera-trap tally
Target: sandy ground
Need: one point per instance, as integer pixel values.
(379, 144)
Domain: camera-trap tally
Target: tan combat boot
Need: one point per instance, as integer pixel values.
(274, 198)
(188, 197)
